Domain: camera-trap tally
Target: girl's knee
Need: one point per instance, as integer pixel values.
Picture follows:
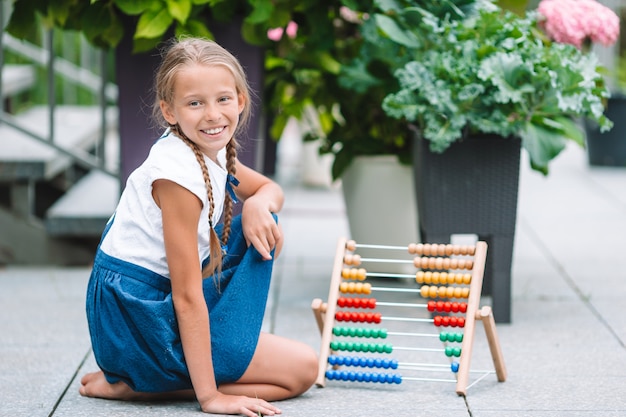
(307, 369)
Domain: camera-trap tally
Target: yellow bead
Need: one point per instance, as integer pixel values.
(433, 292)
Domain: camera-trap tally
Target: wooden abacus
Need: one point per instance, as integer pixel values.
(433, 263)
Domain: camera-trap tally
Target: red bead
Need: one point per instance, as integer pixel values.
(453, 321)
(377, 318)
(447, 306)
(372, 303)
(445, 321)
(437, 320)
(461, 322)
(431, 306)
(463, 307)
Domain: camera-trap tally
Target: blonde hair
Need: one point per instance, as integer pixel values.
(178, 54)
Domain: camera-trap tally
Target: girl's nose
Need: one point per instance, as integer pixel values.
(212, 112)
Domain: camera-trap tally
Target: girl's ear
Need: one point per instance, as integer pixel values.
(167, 113)
(241, 102)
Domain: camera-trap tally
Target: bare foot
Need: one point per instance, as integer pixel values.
(95, 385)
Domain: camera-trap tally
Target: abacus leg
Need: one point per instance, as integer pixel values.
(316, 306)
(485, 314)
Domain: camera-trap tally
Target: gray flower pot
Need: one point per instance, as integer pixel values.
(472, 188)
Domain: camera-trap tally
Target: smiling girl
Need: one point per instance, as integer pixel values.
(175, 301)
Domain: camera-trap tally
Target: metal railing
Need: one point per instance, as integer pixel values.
(97, 84)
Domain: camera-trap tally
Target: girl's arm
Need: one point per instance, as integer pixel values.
(261, 197)
(181, 212)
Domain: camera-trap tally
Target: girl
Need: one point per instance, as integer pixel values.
(160, 330)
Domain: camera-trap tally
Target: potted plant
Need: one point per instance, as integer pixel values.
(339, 96)
(478, 90)
(568, 21)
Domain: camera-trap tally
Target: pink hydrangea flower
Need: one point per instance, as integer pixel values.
(575, 21)
(276, 34)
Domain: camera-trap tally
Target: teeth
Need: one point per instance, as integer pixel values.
(213, 131)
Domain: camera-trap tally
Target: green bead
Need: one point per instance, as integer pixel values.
(388, 348)
(448, 351)
(443, 336)
(382, 333)
(459, 337)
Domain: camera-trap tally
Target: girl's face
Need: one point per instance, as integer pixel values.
(206, 106)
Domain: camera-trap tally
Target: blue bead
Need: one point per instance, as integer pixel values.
(454, 366)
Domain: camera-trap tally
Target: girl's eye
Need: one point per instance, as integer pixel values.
(194, 103)
(224, 98)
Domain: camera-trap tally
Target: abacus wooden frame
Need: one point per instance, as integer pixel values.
(325, 312)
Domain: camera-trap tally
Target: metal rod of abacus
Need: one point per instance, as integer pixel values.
(388, 275)
(388, 260)
(391, 289)
(363, 245)
(412, 305)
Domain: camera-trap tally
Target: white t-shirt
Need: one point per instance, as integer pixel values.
(136, 235)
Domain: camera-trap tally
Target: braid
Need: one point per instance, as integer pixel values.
(215, 248)
(231, 156)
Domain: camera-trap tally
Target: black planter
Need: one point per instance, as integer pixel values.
(609, 148)
(472, 188)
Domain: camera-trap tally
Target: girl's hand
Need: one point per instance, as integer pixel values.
(259, 227)
(237, 404)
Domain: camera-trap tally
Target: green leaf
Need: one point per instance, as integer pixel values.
(22, 22)
(261, 11)
(542, 145)
(134, 7)
(179, 9)
(95, 20)
(196, 28)
(60, 11)
(145, 45)
(153, 24)
(389, 27)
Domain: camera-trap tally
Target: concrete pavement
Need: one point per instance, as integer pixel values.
(565, 349)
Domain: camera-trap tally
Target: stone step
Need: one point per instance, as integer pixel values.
(17, 79)
(85, 208)
(76, 128)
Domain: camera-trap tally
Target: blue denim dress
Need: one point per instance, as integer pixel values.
(133, 327)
